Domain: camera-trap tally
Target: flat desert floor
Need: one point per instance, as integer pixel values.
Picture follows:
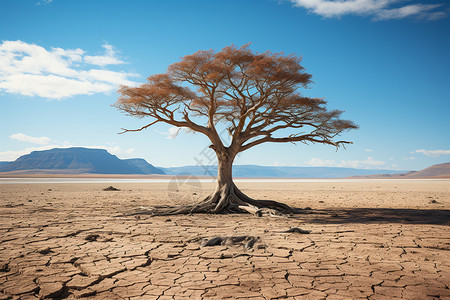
(373, 239)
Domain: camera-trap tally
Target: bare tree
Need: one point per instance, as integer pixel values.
(255, 96)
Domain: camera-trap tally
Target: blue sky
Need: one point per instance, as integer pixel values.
(385, 62)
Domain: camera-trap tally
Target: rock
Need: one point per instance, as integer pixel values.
(92, 237)
(111, 188)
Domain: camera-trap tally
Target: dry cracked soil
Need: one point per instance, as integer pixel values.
(370, 240)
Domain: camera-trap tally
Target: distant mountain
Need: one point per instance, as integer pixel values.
(76, 161)
(254, 171)
(4, 163)
(440, 170)
(435, 171)
(144, 166)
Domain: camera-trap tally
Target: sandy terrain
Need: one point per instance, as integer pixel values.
(376, 239)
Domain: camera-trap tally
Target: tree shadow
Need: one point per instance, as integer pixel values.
(377, 215)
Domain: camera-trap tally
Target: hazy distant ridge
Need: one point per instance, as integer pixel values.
(255, 171)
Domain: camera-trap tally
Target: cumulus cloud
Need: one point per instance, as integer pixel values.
(378, 9)
(369, 163)
(31, 70)
(43, 140)
(433, 153)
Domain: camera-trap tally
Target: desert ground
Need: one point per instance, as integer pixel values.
(371, 239)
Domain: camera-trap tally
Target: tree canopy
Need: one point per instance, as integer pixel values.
(256, 95)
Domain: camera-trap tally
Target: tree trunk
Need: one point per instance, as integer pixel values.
(227, 198)
(224, 170)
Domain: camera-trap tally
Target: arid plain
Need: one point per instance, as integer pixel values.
(371, 239)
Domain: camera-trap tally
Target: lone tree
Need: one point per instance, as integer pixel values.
(255, 96)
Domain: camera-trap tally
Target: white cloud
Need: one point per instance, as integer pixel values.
(172, 133)
(378, 9)
(368, 150)
(130, 151)
(409, 158)
(433, 153)
(369, 163)
(31, 70)
(43, 140)
(45, 2)
(102, 60)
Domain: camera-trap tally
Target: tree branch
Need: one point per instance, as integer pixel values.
(292, 139)
(140, 129)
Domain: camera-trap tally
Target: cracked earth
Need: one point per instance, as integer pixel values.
(371, 240)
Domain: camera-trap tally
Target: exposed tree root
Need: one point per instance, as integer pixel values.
(227, 198)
